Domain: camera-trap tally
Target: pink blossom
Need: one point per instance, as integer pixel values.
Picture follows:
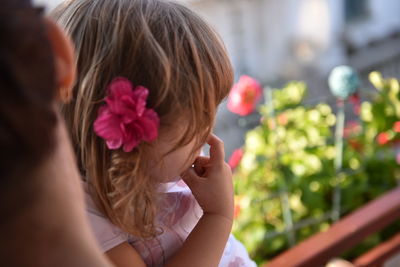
(244, 96)
(356, 101)
(235, 158)
(237, 210)
(282, 119)
(352, 128)
(382, 138)
(124, 120)
(396, 126)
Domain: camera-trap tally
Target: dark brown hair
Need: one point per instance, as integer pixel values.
(163, 46)
(27, 89)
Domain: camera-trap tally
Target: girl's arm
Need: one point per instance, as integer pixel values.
(205, 244)
(124, 255)
(211, 183)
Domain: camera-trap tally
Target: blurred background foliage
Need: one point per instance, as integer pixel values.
(285, 177)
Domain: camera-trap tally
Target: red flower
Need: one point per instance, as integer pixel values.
(235, 159)
(352, 128)
(237, 210)
(244, 96)
(357, 109)
(396, 127)
(124, 121)
(354, 98)
(282, 119)
(382, 138)
(356, 145)
(356, 101)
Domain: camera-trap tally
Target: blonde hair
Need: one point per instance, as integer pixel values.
(163, 46)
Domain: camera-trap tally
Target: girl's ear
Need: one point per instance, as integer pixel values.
(64, 60)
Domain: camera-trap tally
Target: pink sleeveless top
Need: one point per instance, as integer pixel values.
(179, 215)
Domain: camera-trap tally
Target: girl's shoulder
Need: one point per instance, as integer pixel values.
(179, 213)
(107, 234)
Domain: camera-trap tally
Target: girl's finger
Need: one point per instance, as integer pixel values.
(200, 165)
(217, 151)
(201, 160)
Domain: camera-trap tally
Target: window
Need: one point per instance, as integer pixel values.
(355, 9)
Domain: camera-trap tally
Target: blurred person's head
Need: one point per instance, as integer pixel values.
(27, 84)
(41, 204)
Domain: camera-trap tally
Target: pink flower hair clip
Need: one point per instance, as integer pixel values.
(124, 120)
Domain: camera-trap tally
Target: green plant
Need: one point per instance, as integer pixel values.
(286, 179)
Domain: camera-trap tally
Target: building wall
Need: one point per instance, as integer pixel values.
(382, 19)
(279, 40)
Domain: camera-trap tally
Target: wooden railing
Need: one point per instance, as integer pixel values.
(345, 234)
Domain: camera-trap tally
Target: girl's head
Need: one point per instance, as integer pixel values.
(166, 48)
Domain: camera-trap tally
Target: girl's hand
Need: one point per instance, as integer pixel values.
(210, 180)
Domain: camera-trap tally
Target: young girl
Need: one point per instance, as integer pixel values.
(151, 74)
